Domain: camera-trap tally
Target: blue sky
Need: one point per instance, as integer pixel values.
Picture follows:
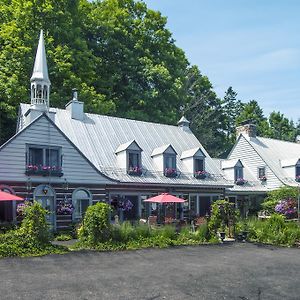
(251, 45)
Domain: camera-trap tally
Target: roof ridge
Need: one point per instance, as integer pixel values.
(277, 140)
(116, 117)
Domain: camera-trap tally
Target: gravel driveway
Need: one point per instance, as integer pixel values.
(233, 271)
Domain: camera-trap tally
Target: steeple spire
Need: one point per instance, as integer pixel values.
(40, 83)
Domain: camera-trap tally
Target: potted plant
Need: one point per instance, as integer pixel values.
(135, 171)
(245, 232)
(263, 178)
(201, 174)
(222, 231)
(297, 178)
(240, 181)
(170, 172)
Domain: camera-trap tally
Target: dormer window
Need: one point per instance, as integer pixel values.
(164, 158)
(134, 163)
(170, 165)
(292, 167)
(129, 156)
(297, 172)
(238, 173)
(194, 162)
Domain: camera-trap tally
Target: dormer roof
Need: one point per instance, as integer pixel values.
(195, 152)
(131, 145)
(163, 149)
(290, 162)
(40, 69)
(231, 163)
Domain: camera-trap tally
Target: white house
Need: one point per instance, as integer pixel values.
(265, 164)
(58, 154)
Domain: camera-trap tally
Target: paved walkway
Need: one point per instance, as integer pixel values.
(228, 271)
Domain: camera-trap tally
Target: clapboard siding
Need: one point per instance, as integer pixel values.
(75, 167)
(249, 157)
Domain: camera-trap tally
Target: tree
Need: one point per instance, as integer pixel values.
(231, 110)
(252, 111)
(281, 127)
(203, 109)
(118, 53)
(140, 67)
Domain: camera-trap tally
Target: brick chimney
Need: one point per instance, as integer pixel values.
(247, 128)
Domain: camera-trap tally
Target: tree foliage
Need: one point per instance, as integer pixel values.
(124, 61)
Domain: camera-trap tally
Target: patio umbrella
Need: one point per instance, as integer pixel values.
(165, 198)
(9, 197)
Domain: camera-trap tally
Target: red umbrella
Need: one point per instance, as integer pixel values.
(165, 198)
(9, 197)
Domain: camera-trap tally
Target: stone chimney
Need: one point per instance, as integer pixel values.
(247, 128)
(75, 107)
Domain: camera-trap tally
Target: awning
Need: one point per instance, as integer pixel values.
(165, 198)
(9, 197)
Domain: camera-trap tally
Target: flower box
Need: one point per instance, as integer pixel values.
(263, 178)
(240, 181)
(201, 174)
(135, 171)
(43, 171)
(170, 172)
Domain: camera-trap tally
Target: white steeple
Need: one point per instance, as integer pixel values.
(40, 83)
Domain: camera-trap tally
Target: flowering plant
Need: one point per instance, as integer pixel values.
(21, 208)
(64, 208)
(201, 174)
(43, 170)
(287, 207)
(263, 178)
(125, 205)
(137, 171)
(170, 172)
(297, 178)
(240, 181)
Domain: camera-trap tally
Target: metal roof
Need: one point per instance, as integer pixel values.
(273, 152)
(98, 137)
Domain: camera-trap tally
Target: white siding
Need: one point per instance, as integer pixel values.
(250, 158)
(188, 165)
(76, 169)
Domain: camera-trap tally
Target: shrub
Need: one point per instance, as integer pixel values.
(34, 223)
(64, 237)
(274, 197)
(96, 226)
(274, 231)
(222, 211)
(33, 236)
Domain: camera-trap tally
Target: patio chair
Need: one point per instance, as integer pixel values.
(152, 220)
(168, 220)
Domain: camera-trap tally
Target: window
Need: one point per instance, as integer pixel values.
(261, 172)
(297, 170)
(52, 157)
(81, 199)
(170, 162)
(238, 173)
(199, 164)
(36, 156)
(134, 160)
(81, 207)
(43, 160)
